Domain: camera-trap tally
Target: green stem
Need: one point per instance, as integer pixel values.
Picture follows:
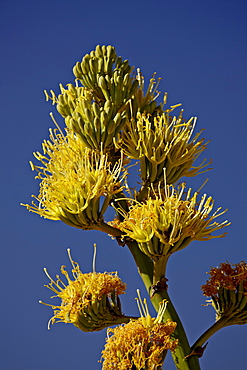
(144, 264)
(159, 268)
(219, 324)
(183, 348)
(108, 229)
(146, 271)
(143, 192)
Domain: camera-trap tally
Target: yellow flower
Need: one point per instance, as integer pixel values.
(89, 301)
(140, 344)
(145, 101)
(167, 223)
(163, 142)
(227, 287)
(73, 180)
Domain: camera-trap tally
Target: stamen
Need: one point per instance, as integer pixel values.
(161, 311)
(56, 124)
(70, 258)
(32, 166)
(165, 185)
(46, 95)
(202, 186)
(192, 128)
(142, 306)
(94, 257)
(49, 277)
(49, 323)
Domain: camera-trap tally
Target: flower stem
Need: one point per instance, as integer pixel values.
(146, 271)
(219, 324)
(183, 348)
(108, 229)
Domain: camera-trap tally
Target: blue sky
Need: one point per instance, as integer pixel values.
(199, 50)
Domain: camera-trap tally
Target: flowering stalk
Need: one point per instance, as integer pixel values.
(145, 268)
(110, 120)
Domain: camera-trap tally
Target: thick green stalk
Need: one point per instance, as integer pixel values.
(146, 271)
(183, 348)
(149, 276)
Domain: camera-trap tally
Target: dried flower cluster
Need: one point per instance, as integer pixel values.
(227, 276)
(227, 288)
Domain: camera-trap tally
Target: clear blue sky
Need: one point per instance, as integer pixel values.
(199, 49)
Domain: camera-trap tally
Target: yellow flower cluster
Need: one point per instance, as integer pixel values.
(140, 344)
(73, 179)
(162, 142)
(167, 223)
(89, 301)
(109, 120)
